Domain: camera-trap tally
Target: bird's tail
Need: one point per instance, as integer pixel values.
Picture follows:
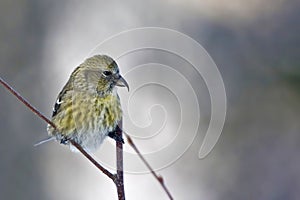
(44, 141)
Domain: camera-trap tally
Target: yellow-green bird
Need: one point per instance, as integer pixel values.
(88, 108)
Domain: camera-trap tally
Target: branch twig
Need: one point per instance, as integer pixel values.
(92, 160)
(27, 104)
(158, 177)
(119, 151)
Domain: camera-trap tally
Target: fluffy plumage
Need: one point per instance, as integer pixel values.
(88, 107)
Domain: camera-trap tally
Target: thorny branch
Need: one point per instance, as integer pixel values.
(118, 178)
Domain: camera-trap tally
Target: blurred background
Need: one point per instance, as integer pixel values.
(256, 46)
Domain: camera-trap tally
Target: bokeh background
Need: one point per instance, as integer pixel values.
(256, 46)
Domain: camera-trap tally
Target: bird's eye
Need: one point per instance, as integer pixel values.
(107, 73)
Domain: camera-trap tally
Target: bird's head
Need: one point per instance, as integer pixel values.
(99, 73)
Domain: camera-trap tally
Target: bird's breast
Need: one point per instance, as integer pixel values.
(87, 113)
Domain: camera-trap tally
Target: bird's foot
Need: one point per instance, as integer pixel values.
(115, 136)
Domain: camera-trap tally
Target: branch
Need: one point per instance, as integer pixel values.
(27, 104)
(158, 177)
(92, 160)
(119, 181)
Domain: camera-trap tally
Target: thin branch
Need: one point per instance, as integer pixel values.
(158, 177)
(92, 160)
(119, 151)
(27, 104)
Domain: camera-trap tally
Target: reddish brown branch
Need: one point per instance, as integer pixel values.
(92, 160)
(158, 177)
(120, 177)
(27, 104)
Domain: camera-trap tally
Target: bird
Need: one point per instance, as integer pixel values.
(88, 108)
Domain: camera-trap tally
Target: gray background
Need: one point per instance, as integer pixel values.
(256, 48)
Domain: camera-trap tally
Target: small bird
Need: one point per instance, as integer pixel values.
(88, 108)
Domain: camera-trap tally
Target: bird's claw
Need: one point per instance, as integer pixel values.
(115, 136)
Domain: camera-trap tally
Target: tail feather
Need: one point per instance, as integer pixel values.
(44, 141)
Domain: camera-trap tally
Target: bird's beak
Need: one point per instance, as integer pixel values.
(121, 82)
